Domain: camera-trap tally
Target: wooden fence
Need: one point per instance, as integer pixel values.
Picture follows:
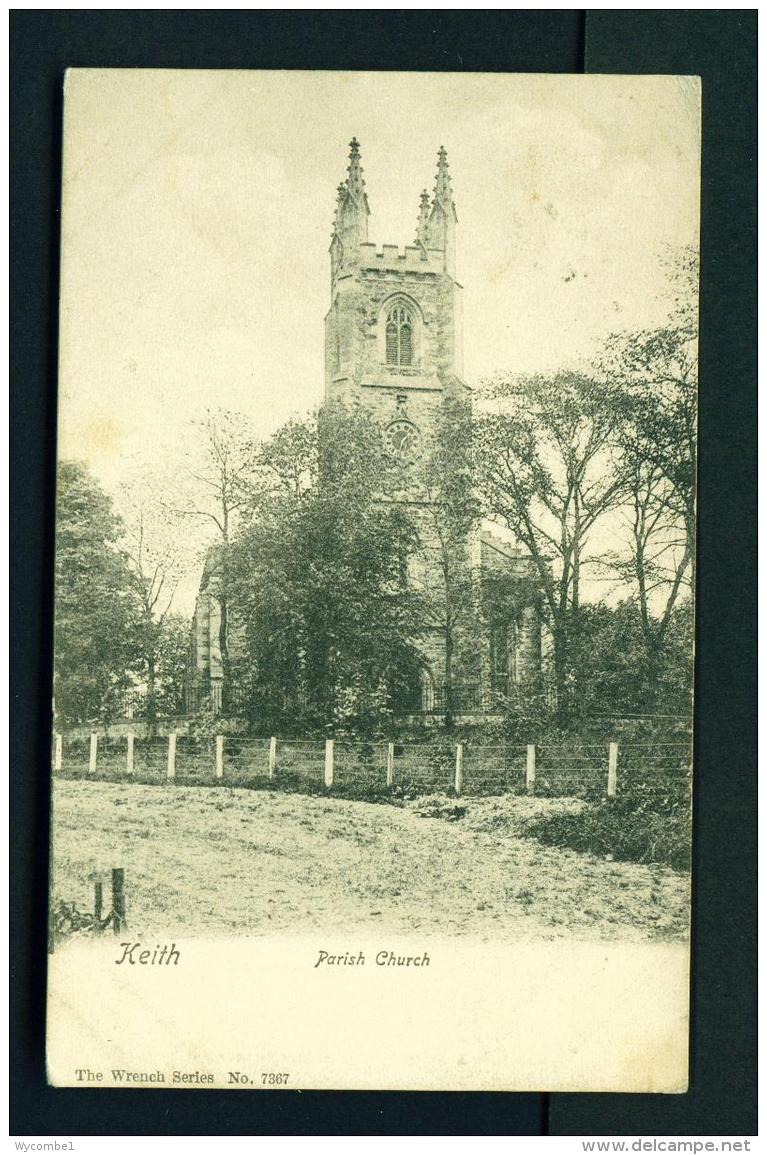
(343, 765)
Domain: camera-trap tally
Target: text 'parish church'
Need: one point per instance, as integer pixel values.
(393, 345)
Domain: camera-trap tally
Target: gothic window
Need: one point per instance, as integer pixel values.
(399, 336)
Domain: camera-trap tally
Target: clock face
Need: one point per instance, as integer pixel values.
(402, 440)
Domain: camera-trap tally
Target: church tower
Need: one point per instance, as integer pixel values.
(393, 331)
(393, 346)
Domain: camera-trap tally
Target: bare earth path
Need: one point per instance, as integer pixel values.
(201, 861)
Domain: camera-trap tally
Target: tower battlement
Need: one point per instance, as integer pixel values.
(434, 248)
(397, 258)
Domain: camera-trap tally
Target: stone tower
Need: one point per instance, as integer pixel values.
(393, 345)
(393, 331)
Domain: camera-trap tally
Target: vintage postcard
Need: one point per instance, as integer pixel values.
(375, 543)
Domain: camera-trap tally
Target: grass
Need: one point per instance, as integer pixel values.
(202, 861)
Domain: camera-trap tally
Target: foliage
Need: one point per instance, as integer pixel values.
(550, 472)
(98, 610)
(361, 708)
(170, 661)
(452, 512)
(612, 672)
(218, 484)
(528, 713)
(66, 920)
(157, 558)
(439, 806)
(653, 375)
(288, 462)
(640, 825)
(204, 723)
(319, 580)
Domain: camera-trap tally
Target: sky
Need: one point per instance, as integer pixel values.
(197, 208)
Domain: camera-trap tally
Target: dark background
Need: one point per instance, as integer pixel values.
(720, 47)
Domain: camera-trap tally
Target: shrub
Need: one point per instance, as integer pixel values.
(643, 825)
(439, 806)
(67, 920)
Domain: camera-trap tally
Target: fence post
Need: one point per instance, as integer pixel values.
(172, 755)
(272, 756)
(94, 753)
(219, 755)
(459, 768)
(329, 745)
(612, 770)
(129, 756)
(390, 764)
(530, 769)
(98, 902)
(118, 899)
(57, 752)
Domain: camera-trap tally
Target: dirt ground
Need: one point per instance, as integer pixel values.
(201, 861)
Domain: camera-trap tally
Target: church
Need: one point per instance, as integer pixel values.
(393, 346)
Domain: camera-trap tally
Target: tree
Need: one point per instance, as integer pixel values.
(154, 549)
(218, 486)
(653, 377)
(288, 463)
(551, 471)
(616, 674)
(451, 513)
(171, 659)
(97, 607)
(654, 373)
(319, 582)
(656, 564)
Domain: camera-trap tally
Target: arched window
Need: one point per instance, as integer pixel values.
(399, 336)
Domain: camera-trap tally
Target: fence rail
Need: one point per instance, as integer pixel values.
(573, 770)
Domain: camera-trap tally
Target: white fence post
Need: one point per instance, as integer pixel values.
(57, 752)
(612, 770)
(329, 745)
(459, 768)
(129, 755)
(94, 753)
(530, 769)
(219, 755)
(272, 756)
(172, 755)
(390, 764)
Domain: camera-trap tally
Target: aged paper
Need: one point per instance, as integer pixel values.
(371, 754)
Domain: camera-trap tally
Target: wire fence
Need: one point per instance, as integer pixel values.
(573, 769)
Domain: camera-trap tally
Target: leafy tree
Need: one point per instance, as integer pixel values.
(656, 564)
(319, 580)
(654, 373)
(613, 671)
(551, 471)
(287, 463)
(653, 377)
(448, 588)
(170, 660)
(97, 612)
